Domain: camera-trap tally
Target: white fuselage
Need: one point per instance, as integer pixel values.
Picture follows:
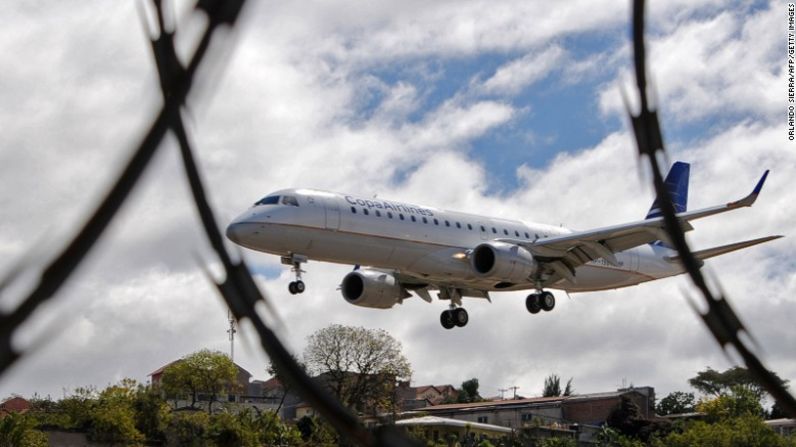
(422, 242)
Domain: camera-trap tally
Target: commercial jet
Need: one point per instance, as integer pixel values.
(399, 249)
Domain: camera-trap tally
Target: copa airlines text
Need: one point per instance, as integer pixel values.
(407, 249)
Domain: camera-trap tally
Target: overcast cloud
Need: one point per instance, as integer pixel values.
(407, 100)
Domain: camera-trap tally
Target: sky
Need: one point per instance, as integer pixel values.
(504, 108)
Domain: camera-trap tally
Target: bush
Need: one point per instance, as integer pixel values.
(188, 429)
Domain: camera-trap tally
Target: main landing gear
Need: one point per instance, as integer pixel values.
(297, 286)
(542, 301)
(455, 316)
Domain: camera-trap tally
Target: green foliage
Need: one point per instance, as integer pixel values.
(359, 366)
(204, 371)
(188, 429)
(314, 431)
(609, 437)
(17, 429)
(552, 387)
(469, 392)
(151, 412)
(558, 442)
(742, 402)
(747, 431)
(226, 430)
(676, 402)
(112, 417)
(717, 383)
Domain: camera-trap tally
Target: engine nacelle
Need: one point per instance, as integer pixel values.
(503, 262)
(371, 288)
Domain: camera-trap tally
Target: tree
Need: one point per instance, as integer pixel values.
(360, 366)
(748, 431)
(205, 371)
(676, 402)
(469, 392)
(742, 402)
(552, 387)
(716, 383)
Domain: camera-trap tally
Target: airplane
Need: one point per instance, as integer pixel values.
(407, 248)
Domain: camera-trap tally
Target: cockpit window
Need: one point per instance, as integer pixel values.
(290, 201)
(269, 200)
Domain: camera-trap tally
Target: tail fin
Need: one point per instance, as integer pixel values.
(677, 186)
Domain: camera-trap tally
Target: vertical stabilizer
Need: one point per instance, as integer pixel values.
(677, 185)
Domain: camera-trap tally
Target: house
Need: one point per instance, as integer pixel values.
(15, 404)
(576, 416)
(410, 398)
(435, 429)
(245, 392)
(785, 427)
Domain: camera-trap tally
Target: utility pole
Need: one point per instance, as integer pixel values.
(513, 388)
(231, 331)
(502, 391)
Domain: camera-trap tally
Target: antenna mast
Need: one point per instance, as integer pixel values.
(231, 331)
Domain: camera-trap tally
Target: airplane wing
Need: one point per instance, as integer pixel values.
(564, 253)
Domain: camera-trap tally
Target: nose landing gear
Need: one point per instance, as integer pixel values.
(297, 286)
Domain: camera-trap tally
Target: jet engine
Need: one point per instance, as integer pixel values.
(372, 288)
(503, 262)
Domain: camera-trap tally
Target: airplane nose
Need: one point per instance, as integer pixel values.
(235, 232)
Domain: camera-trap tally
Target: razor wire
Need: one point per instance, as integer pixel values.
(720, 318)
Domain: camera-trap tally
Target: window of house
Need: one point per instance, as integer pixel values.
(483, 419)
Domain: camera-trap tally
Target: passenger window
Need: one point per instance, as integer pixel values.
(458, 225)
(389, 214)
(469, 227)
(447, 224)
(365, 211)
(413, 219)
(425, 220)
(436, 222)
(378, 213)
(527, 236)
(482, 228)
(270, 200)
(494, 230)
(353, 210)
(506, 232)
(290, 201)
(516, 233)
(400, 216)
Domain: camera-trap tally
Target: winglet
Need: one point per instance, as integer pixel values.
(750, 199)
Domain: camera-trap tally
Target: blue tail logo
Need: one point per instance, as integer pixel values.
(677, 186)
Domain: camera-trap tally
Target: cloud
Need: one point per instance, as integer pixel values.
(520, 73)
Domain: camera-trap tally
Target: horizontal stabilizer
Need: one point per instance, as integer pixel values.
(716, 251)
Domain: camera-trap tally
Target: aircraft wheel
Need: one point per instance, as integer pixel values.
(292, 288)
(446, 318)
(460, 317)
(532, 303)
(299, 286)
(547, 301)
